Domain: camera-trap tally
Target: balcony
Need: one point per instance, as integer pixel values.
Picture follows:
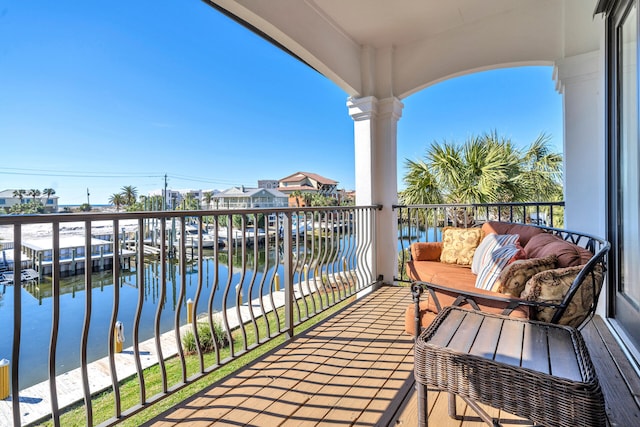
(306, 295)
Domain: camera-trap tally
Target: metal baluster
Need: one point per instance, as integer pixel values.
(296, 268)
(215, 285)
(313, 266)
(280, 223)
(253, 279)
(360, 248)
(225, 296)
(330, 226)
(55, 321)
(302, 274)
(182, 259)
(263, 279)
(84, 361)
(370, 230)
(243, 246)
(196, 298)
(161, 301)
(114, 317)
(138, 314)
(351, 253)
(288, 278)
(17, 323)
(323, 267)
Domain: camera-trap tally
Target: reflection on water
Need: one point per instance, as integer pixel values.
(408, 234)
(37, 304)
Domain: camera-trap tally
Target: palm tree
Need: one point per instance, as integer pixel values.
(541, 171)
(34, 193)
(421, 186)
(48, 192)
(130, 193)
(117, 199)
(155, 203)
(207, 197)
(485, 169)
(189, 203)
(297, 194)
(19, 194)
(307, 198)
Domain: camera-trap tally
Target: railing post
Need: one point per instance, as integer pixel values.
(17, 324)
(288, 276)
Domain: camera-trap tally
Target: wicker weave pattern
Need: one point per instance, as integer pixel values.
(539, 397)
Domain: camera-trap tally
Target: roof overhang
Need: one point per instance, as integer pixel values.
(382, 48)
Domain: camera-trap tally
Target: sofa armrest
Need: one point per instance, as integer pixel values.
(478, 299)
(426, 251)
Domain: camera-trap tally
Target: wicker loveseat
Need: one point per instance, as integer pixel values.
(544, 273)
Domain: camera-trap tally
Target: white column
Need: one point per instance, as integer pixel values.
(580, 80)
(375, 139)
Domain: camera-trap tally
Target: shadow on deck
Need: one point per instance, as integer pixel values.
(356, 368)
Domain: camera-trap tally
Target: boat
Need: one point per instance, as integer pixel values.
(208, 241)
(26, 275)
(301, 228)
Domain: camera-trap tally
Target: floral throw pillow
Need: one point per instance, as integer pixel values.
(459, 244)
(553, 285)
(515, 276)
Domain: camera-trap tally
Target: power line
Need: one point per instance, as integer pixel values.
(89, 174)
(74, 173)
(206, 180)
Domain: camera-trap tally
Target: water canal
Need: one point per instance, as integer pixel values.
(37, 305)
(37, 301)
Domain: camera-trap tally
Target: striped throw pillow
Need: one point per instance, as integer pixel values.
(490, 243)
(498, 260)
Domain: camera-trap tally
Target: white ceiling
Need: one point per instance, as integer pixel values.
(383, 23)
(397, 47)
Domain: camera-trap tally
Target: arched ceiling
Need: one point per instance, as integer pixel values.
(395, 48)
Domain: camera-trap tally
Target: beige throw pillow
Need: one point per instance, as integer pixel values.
(514, 277)
(552, 286)
(459, 245)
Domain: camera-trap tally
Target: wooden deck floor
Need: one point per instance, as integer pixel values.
(356, 368)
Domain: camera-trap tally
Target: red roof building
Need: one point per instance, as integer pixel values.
(306, 182)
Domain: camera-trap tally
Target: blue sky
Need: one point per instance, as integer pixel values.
(99, 96)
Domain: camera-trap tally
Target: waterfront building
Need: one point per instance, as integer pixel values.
(8, 199)
(306, 182)
(244, 198)
(72, 254)
(175, 197)
(268, 183)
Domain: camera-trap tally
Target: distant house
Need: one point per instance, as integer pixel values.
(245, 198)
(7, 199)
(175, 197)
(306, 182)
(268, 183)
(347, 196)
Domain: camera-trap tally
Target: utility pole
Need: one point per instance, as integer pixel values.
(164, 195)
(88, 197)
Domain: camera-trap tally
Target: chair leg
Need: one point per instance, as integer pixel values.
(452, 407)
(423, 407)
(481, 412)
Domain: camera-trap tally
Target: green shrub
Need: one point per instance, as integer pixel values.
(207, 343)
(403, 257)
